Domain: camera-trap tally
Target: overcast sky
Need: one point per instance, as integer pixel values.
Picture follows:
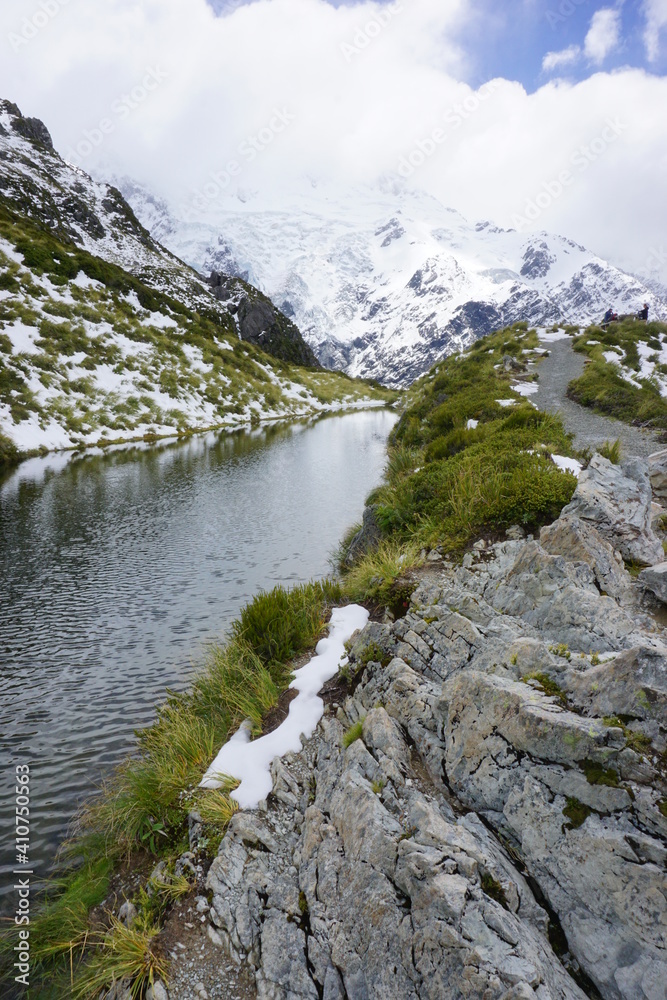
(539, 115)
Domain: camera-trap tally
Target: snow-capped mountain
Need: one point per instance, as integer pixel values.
(384, 281)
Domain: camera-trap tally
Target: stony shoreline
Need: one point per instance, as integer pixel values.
(498, 830)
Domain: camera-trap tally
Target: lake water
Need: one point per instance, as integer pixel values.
(116, 569)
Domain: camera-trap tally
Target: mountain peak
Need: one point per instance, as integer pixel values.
(30, 128)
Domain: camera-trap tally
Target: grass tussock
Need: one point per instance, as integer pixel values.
(611, 451)
(120, 953)
(354, 733)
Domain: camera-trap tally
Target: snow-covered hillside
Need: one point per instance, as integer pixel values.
(106, 336)
(384, 281)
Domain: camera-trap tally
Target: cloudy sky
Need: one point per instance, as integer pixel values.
(538, 114)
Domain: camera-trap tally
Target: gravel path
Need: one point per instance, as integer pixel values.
(590, 429)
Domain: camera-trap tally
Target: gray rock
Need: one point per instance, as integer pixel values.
(616, 500)
(127, 913)
(158, 991)
(657, 470)
(579, 541)
(655, 580)
(366, 539)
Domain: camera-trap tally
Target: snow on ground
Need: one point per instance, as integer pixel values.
(613, 357)
(472, 424)
(506, 402)
(250, 761)
(158, 320)
(567, 464)
(23, 338)
(83, 281)
(552, 336)
(526, 388)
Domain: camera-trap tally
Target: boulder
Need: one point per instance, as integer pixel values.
(655, 580)
(616, 501)
(579, 541)
(657, 470)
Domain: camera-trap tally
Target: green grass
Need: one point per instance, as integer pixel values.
(611, 451)
(602, 387)
(354, 733)
(448, 484)
(548, 686)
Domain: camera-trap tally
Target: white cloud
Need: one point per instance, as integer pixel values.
(655, 12)
(553, 60)
(352, 119)
(603, 34)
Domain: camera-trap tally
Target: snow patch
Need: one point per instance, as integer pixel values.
(526, 388)
(250, 762)
(552, 336)
(567, 464)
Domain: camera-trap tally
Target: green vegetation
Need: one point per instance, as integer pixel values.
(355, 732)
(610, 451)
(596, 774)
(548, 686)
(143, 808)
(576, 812)
(603, 387)
(492, 887)
(639, 742)
(448, 481)
(373, 654)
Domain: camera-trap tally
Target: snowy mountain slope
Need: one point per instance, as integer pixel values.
(94, 216)
(385, 281)
(91, 352)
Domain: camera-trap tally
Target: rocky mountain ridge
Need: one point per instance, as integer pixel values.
(384, 281)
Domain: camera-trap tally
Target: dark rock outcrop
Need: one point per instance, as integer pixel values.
(260, 322)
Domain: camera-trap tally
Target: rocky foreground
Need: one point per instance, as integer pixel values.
(498, 828)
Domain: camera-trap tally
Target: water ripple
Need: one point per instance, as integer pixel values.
(116, 570)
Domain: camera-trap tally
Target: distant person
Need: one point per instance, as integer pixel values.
(608, 316)
(643, 313)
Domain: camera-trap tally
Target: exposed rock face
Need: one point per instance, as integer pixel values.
(616, 500)
(494, 800)
(579, 541)
(366, 539)
(260, 322)
(655, 579)
(657, 470)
